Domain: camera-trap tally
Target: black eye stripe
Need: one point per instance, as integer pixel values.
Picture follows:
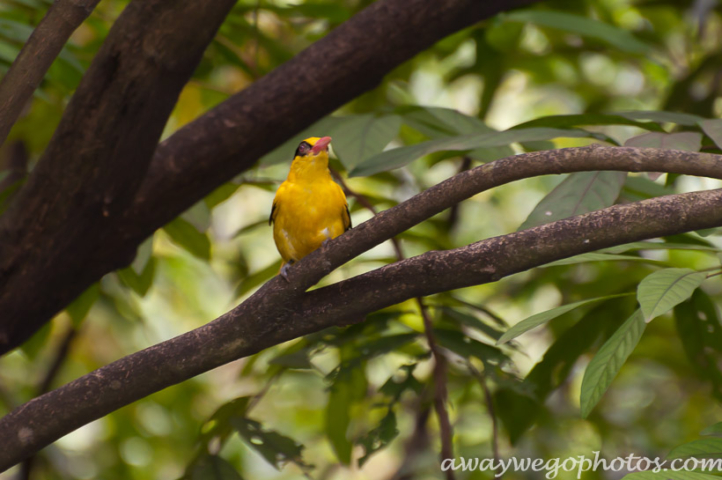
(303, 148)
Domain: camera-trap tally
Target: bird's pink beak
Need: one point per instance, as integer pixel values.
(321, 144)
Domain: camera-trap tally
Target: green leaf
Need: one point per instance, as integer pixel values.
(219, 425)
(715, 430)
(358, 137)
(662, 117)
(699, 329)
(274, 447)
(660, 291)
(579, 193)
(462, 318)
(436, 122)
(713, 129)
(394, 389)
(707, 448)
(35, 344)
(585, 119)
(467, 347)
(687, 141)
(519, 410)
(543, 317)
(609, 360)
(669, 475)
(139, 283)
(658, 246)
(398, 157)
(348, 386)
(213, 467)
(581, 25)
(379, 437)
(597, 257)
(80, 307)
(187, 236)
(258, 278)
(295, 360)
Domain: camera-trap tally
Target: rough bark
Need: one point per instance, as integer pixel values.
(53, 237)
(282, 311)
(36, 56)
(229, 139)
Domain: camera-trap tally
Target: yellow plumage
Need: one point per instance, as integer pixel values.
(309, 207)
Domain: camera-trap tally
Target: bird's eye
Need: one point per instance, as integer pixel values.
(303, 149)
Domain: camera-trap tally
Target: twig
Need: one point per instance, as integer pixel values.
(17, 164)
(36, 56)
(62, 353)
(481, 377)
(454, 211)
(416, 443)
(439, 372)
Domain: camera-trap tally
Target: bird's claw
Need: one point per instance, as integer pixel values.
(284, 272)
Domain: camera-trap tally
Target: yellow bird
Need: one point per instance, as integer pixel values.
(309, 208)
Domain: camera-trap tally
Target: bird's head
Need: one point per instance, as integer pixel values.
(312, 147)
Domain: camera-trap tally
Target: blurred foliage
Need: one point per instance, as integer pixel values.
(353, 403)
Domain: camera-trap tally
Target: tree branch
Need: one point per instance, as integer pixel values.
(281, 311)
(54, 235)
(36, 56)
(201, 156)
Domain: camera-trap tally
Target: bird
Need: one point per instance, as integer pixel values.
(309, 208)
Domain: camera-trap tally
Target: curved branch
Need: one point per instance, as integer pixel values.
(281, 311)
(36, 56)
(54, 236)
(201, 156)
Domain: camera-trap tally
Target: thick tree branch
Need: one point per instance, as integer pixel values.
(36, 56)
(200, 157)
(54, 236)
(281, 311)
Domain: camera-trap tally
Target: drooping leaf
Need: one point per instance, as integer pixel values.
(609, 360)
(189, 238)
(80, 307)
(669, 475)
(715, 430)
(436, 123)
(141, 282)
(519, 410)
(218, 426)
(379, 437)
(713, 129)
(598, 257)
(543, 317)
(700, 331)
(398, 157)
(658, 246)
(358, 137)
(468, 320)
(467, 347)
(579, 193)
(687, 141)
(707, 448)
(277, 449)
(394, 389)
(213, 467)
(586, 119)
(660, 291)
(582, 25)
(662, 117)
(348, 386)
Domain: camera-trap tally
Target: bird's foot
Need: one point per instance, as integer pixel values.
(324, 245)
(284, 271)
